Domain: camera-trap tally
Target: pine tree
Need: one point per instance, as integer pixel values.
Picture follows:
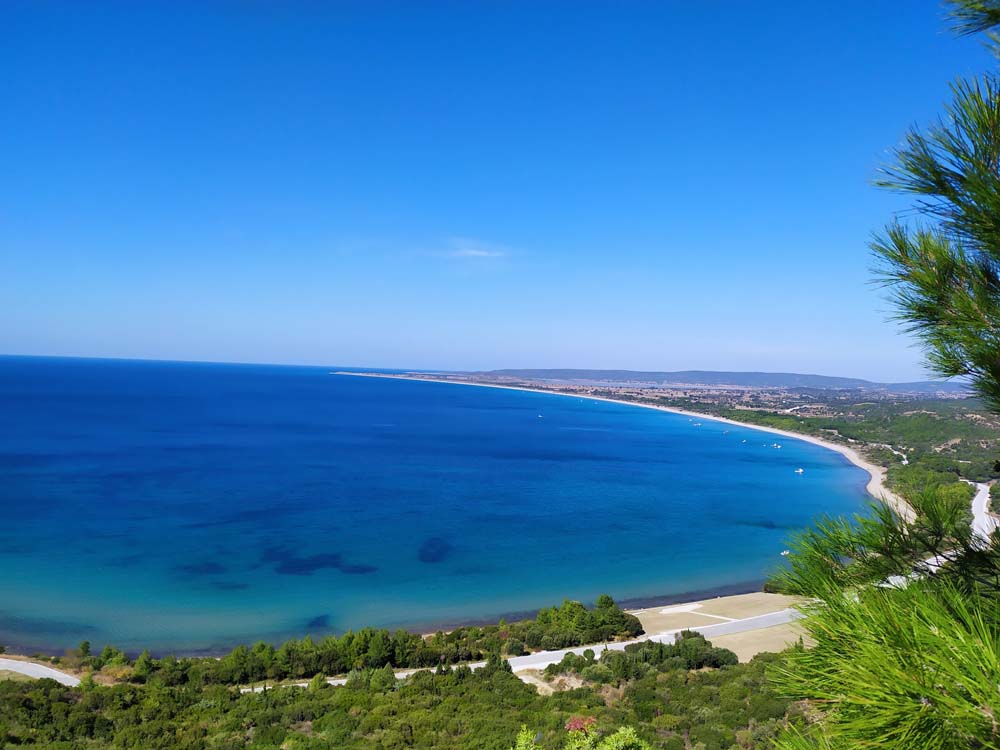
(906, 654)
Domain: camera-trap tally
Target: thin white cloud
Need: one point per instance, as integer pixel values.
(461, 247)
(473, 252)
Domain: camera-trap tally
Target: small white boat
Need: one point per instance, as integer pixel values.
(800, 471)
(785, 553)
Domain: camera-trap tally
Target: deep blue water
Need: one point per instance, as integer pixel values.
(194, 506)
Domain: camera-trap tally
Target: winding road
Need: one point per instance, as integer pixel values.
(543, 659)
(33, 669)
(983, 524)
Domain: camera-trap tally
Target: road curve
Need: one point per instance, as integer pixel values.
(31, 669)
(983, 523)
(543, 659)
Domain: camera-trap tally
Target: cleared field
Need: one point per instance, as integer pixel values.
(711, 611)
(748, 645)
(6, 674)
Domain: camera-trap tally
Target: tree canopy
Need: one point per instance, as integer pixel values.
(943, 266)
(904, 614)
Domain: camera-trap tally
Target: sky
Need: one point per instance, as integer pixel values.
(461, 185)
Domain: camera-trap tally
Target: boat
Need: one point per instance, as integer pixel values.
(800, 471)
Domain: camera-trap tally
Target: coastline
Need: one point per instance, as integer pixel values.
(877, 474)
(875, 487)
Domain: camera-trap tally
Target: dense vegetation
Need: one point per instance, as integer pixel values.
(690, 651)
(570, 624)
(954, 437)
(913, 661)
(669, 706)
(904, 654)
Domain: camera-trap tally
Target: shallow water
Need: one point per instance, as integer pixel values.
(190, 507)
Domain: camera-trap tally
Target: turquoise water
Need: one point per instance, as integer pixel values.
(190, 507)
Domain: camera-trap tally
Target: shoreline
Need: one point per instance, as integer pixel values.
(760, 622)
(722, 595)
(631, 605)
(877, 474)
(875, 488)
(424, 629)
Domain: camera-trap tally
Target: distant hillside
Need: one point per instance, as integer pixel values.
(713, 378)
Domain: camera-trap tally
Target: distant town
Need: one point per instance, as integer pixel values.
(805, 395)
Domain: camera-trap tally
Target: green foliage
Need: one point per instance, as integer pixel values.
(915, 668)
(841, 554)
(690, 651)
(360, 652)
(914, 664)
(944, 271)
(525, 740)
(572, 624)
(358, 679)
(974, 16)
(383, 679)
(624, 738)
(457, 709)
(956, 438)
(914, 661)
(317, 683)
(143, 667)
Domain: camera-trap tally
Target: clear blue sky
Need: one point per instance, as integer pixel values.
(645, 185)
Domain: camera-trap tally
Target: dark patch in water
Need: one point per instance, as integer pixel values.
(303, 566)
(201, 569)
(434, 550)
(319, 622)
(230, 585)
(475, 570)
(764, 524)
(356, 570)
(126, 561)
(245, 516)
(41, 626)
(26, 460)
(289, 564)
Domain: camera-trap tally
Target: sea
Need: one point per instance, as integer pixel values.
(189, 507)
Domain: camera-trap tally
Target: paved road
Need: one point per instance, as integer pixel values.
(543, 659)
(38, 670)
(983, 523)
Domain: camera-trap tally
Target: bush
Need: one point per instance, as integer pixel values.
(514, 647)
(383, 679)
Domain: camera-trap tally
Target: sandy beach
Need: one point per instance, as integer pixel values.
(747, 624)
(876, 484)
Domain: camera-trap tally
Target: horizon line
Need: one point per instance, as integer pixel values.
(165, 360)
